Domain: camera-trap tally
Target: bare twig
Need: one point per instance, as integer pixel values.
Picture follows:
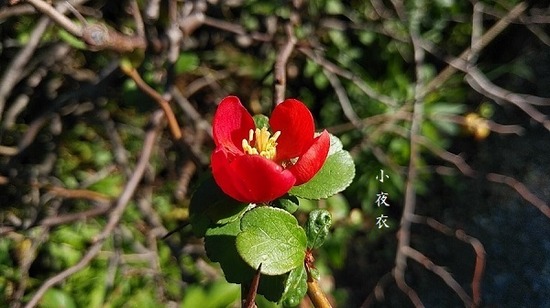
(467, 170)
(478, 249)
(78, 194)
(360, 83)
(25, 262)
(376, 121)
(522, 190)
(230, 27)
(403, 243)
(455, 159)
(174, 34)
(489, 36)
(493, 126)
(13, 72)
(114, 217)
(164, 105)
(73, 217)
(378, 292)
(187, 171)
(98, 36)
(483, 85)
(343, 99)
(140, 28)
(189, 110)
(279, 68)
(58, 17)
(440, 271)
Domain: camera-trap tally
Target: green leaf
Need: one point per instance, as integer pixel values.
(317, 227)
(335, 145)
(295, 287)
(335, 175)
(273, 238)
(186, 62)
(219, 243)
(210, 206)
(55, 298)
(110, 185)
(287, 203)
(220, 247)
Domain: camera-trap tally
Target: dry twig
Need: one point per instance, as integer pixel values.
(114, 216)
(279, 67)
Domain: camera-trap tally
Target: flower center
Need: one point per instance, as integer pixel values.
(264, 145)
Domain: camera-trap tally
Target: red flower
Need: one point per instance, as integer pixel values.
(255, 165)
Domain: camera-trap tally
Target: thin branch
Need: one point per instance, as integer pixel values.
(439, 271)
(98, 36)
(140, 27)
(522, 190)
(114, 217)
(187, 172)
(343, 99)
(474, 242)
(210, 78)
(229, 27)
(488, 37)
(493, 126)
(78, 194)
(12, 74)
(279, 68)
(164, 105)
(378, 292)
(455, 159)
(189, 110)
(173, 32)
(479, 82)
(404, 233)
(58, 17)
(72, 217)
(376, 121)
(467, 170)
(25, 262)
(359, 82)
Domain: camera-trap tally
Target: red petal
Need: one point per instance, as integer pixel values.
(222, 174)
(251, 178)
(312, 160)
(295, 122)
(231, 124)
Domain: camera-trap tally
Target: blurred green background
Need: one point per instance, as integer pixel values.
(73, 128)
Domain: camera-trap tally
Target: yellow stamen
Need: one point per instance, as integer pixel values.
(265, 144)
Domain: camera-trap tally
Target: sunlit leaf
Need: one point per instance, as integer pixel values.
(273, 238)
(336, 174)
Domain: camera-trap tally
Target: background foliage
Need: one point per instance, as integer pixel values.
(92, 179)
